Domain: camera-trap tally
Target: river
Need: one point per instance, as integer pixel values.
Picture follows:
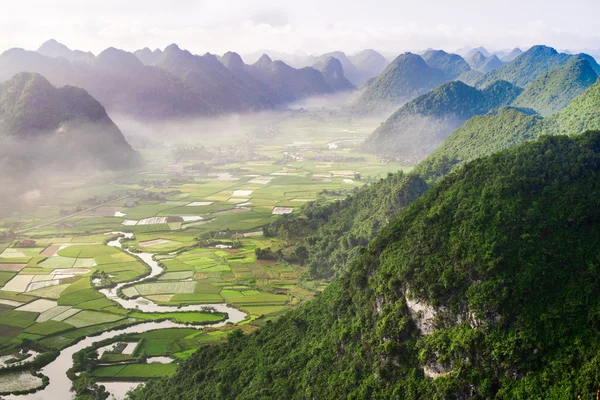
(60, 384)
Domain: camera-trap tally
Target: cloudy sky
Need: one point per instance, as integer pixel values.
(312, 26)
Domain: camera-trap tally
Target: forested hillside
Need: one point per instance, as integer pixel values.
(554, 90)
(485, 287)
(508, 127)
(420, 126)
(405, 78)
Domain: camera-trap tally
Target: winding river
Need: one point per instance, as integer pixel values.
(60, 384)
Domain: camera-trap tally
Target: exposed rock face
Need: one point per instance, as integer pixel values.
(422, 314)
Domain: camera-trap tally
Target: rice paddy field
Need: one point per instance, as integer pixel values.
(51, 270)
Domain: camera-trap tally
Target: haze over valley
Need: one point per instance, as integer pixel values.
(299, 201)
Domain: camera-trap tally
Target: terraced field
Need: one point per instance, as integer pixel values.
(204, 226)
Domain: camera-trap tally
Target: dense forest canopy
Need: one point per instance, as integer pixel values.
(488, 283)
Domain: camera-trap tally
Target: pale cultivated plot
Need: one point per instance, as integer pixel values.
(192, 218)
(11, 303)
(51, 313)
(282, 210)
(199, 203)
(161, 297)
(252, 234)
(248, 203)
(129, 348)
(284, 174)
(50, 251)
(153, 221)
(12, 267)
(165, 288)
(236, 200)
(84, 262)
(39, 306)
(225, 177)
(343, 173)
(88, 318)
(129, 222)
(131, 291)
(154, 242)
(175, 276)
(260, 181)
(66, 314)
(50, 292)
(18, 283)
(71, 271)
(119, 214)
(13, 253)
(42, 278)
(347, 181)
(57, 262)
(43, 284)
(241, 193)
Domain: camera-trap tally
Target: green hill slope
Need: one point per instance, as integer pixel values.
(527, 67)
(452, 64)
(486, 287)
(419, 127)
(582, 114)
(405, 78)
(45, 123)
(508, 127)
(481, 136)
(554, 90)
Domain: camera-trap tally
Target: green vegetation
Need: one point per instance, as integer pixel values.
(504, 255)
(182, 317)
(130, 372)
(527, 67)
(419, 127)
(31, 107)
(328, 237)
(452, 64)
(579, 116)
(508, 127)
(482, 136)
(555, 89)
(405, 78)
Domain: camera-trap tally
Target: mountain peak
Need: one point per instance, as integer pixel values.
(172, 48)
(264, 60)
(113, 58)
(233, 61)
(54, 49)
(333, 72)
(541, 49)
(53, 46)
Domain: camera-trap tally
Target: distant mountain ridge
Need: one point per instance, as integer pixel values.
(451, 64)
(508, 127)
(163, 84)
(527, 67)
(554, 90)
(333, 72)
(420, 126)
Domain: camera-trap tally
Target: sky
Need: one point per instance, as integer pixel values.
(309, 26)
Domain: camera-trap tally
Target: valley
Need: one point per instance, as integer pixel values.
(204, 221)
(192, 242)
